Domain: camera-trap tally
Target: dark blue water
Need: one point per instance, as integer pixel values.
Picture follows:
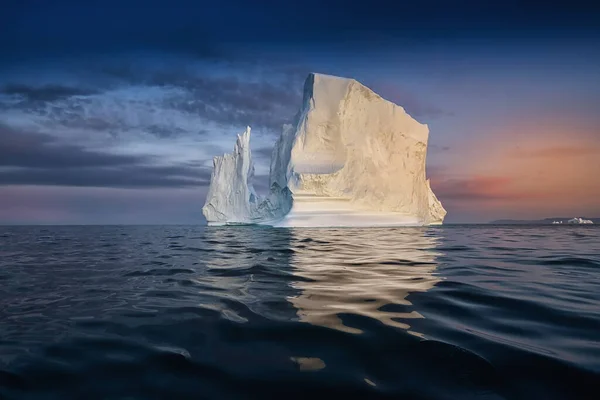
(455, 312)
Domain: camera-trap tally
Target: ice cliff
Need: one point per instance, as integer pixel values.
(349, 158)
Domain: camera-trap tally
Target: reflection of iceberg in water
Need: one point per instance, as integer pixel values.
(319, 276)
(366, 272)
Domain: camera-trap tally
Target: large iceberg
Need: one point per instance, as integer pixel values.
(350, 158)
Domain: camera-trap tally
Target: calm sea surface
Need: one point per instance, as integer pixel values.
(162, 312)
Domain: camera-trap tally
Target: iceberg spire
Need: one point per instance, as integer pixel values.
(231, 194)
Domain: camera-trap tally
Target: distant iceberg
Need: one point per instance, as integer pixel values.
(350, 158)
(580, 221)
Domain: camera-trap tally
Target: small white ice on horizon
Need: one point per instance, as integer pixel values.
(577, 220)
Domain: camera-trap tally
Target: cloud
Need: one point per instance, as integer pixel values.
(242, 94)
(36, 150)
(162, 131)
(557, 152)
(30, 158)
(478, 188)
(76, 205)
(113, 177)
(43, 93)
(231, 100)
(482, 197)
(143, 112)
(438, 149)
(163, 100)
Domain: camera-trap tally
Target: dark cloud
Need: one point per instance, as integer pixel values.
(437, 148)
(61, 105)
(75, 114)
(36, 150)
(264, 101)
(264, 97)
(234, 101)
(32, 158)
(67, 117)
(116, 177)
(44, 93)
(422, 110)
(162, 131)
(245, 94)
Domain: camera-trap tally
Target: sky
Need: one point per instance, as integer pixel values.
(111, 111)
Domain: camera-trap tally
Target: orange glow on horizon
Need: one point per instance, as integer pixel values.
(535, 171)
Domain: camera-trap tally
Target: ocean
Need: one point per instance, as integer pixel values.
(166, 312)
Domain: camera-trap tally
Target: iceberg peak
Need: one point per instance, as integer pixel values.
(231, 194)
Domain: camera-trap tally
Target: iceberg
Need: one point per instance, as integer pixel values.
(577, 220)
(349, 158)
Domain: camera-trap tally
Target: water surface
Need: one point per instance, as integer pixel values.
(449, 312)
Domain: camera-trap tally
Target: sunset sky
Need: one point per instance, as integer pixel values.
(111, 111)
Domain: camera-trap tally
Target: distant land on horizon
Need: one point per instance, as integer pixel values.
(545, 221)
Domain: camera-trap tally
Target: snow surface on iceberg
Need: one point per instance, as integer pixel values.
(350, 158)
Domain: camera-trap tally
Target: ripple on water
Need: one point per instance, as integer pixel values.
(161, 272)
